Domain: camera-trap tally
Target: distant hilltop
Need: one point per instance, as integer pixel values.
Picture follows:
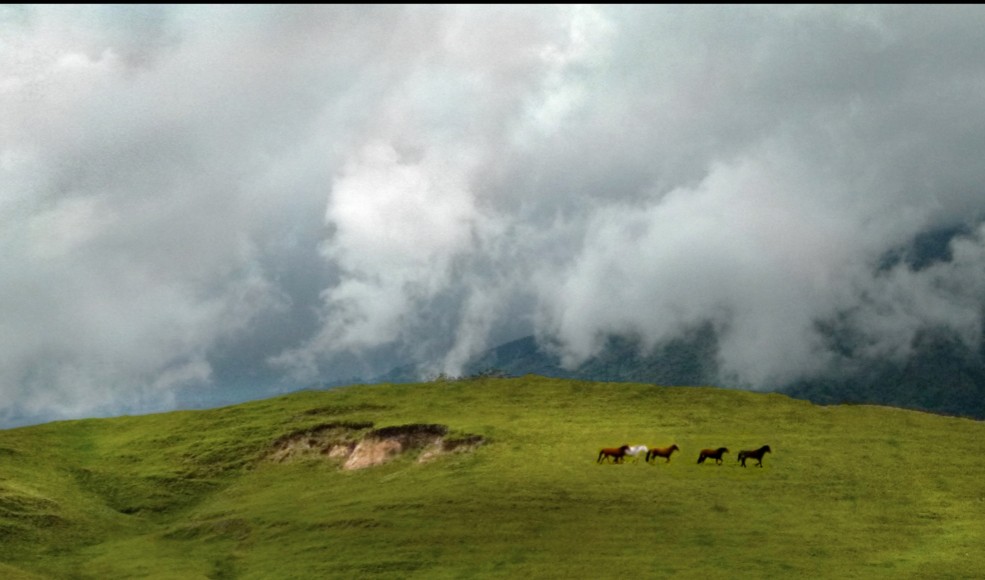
(942, 375)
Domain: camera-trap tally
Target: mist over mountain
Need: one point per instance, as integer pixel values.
(942, 375)
(939, 371)
(685, 361)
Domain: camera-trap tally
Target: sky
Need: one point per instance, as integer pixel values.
(216, 202)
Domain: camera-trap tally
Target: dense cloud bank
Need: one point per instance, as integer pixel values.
(214, 198)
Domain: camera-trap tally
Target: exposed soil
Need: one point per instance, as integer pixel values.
(355, 447)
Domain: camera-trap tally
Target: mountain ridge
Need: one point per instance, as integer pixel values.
(942, 375)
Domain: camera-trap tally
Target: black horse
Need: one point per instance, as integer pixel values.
(756, 454)
(715, 454)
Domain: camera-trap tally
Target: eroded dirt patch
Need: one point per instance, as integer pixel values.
(328, 439)
(357, 446)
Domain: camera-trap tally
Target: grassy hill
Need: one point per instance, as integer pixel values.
(258, 490)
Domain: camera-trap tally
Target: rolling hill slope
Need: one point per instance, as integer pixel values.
(495, 478)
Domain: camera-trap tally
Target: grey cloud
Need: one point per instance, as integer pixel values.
(194, 197)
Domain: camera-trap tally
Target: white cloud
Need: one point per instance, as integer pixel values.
(187, 192)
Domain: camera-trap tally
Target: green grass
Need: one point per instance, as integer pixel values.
(848, 492)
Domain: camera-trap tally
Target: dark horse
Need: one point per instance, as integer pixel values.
(757, 455)
(715, 454)
(616, 454)
(664, 452)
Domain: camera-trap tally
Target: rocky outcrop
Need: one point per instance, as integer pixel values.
(355, 446)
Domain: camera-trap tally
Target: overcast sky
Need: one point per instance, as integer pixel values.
(225, 199)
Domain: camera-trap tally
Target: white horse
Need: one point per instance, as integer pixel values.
(636, 451)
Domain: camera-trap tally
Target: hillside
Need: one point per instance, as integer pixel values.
(495, 478)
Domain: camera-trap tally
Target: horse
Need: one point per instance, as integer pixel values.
(664, 452)
(635, 451)
(616, 454)
(756, 454)
(715, 454)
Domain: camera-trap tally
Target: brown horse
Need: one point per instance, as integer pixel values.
(616, 454)
(715, 454)
(664, 452)
(756, 454)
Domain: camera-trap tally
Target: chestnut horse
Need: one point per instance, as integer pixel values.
(715, 454)
(756, 454)
(616, 454)
(664, 452)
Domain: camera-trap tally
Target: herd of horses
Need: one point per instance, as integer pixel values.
(619, 454)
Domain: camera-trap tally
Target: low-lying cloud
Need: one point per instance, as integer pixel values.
(233, 198)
